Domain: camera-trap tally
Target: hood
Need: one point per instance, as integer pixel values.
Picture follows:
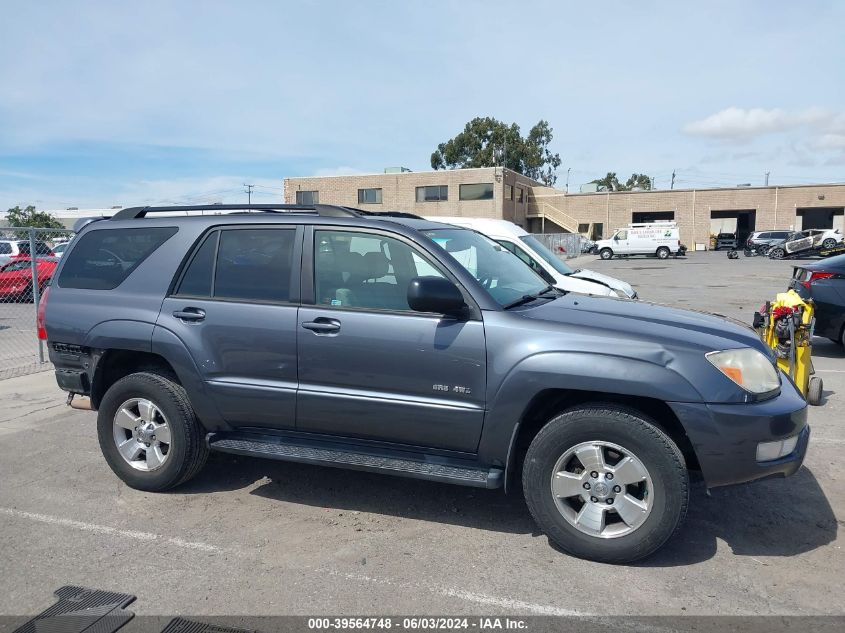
(618, 285)
(571, 283)
(644, 321)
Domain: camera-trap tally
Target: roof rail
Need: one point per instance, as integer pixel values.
(328, 210)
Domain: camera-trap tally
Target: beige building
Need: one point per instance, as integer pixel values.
(493, 192)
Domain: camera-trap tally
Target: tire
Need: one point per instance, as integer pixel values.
(828, 243)
(776, 253)
(815, 390)
(662, 252)
(634, 435)
(764, 249)
(606, 253)
(185, 453)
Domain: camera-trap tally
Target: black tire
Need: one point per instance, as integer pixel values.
(187, 451)
(764, 249)
(663, 252)
(777, 253)
(828, 243)
(625, 427)
(606, 253)
(815, 390)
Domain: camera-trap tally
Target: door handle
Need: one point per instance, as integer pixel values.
(322, 325)
(190, 314)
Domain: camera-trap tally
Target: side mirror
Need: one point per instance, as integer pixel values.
(435, 294)
(616, 237)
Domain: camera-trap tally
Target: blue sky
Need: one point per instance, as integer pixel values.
(109, 103)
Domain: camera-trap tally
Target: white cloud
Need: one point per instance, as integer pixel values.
(740, 124)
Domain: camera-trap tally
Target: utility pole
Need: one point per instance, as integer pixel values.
(766, 180)
(672, 186)
(248, 192)
(568, 169)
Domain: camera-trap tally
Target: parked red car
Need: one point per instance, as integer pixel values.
(16, 277)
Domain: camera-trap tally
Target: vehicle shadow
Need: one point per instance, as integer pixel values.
(778, 517)
(824, 348)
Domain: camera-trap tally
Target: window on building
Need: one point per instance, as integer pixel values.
(520, 195)
(651, 216)
(307, 197)
(369, 196)
(482, 191)
(436, 193)
(508, 192)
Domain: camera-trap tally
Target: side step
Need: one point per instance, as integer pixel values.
(402, 463)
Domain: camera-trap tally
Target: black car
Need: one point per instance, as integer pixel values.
(764, 240)
(726, 240)
(824, 283)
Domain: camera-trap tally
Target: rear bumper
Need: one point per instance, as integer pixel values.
(725, 436)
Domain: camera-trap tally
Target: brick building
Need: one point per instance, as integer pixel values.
(493, 192)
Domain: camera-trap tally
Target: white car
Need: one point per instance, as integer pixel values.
(543, 261)
(660, 238)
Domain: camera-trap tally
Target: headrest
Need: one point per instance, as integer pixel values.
(376, 264)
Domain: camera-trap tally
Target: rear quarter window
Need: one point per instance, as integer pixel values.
(103, 259)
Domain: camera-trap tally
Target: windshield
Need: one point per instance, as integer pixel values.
(549, 257)
(501, 272)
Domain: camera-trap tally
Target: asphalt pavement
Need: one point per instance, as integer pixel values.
(251, 536)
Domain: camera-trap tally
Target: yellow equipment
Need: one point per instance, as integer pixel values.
(786, 325)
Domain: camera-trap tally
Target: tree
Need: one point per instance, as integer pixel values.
(488, 142)
(30, 217)
(611, 183)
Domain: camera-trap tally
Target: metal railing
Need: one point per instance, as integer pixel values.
(27, 263)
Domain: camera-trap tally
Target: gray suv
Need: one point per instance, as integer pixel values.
(393, 344)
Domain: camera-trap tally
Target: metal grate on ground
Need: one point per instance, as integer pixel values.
(28, 259)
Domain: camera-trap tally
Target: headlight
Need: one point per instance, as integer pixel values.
(748, 368)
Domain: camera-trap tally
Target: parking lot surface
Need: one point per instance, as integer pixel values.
(252, 536)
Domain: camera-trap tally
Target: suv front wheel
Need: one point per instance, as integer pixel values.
(149, 433)
(605, 484)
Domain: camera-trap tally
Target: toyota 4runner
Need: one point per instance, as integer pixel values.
(386, 343)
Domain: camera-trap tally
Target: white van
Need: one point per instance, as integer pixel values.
(545, 263)
(651, 238)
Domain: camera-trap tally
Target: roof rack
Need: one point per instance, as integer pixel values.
(328, 210)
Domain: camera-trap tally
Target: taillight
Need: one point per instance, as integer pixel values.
(816, 276)
(42, 306)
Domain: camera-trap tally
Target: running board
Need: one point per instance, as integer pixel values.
(402, 463)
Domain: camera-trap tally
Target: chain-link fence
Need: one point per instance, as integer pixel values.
(28, 259)
(564, 245)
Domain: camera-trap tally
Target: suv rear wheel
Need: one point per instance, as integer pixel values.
(604, 483)
(606, 253)
(149, 433)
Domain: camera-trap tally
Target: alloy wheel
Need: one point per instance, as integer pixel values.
(142, 434)
(602, 489)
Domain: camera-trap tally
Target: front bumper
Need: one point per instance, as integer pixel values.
(725, 436)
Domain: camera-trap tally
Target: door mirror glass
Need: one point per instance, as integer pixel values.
(435, 294)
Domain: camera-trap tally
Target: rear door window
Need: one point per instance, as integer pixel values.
(5, 248)
(102, 259)
(242, 265)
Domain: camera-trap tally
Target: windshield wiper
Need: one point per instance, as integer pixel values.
(532, 297)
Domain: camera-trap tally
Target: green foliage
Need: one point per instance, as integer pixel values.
(30, 217)
(488, 142)
(611, 183)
